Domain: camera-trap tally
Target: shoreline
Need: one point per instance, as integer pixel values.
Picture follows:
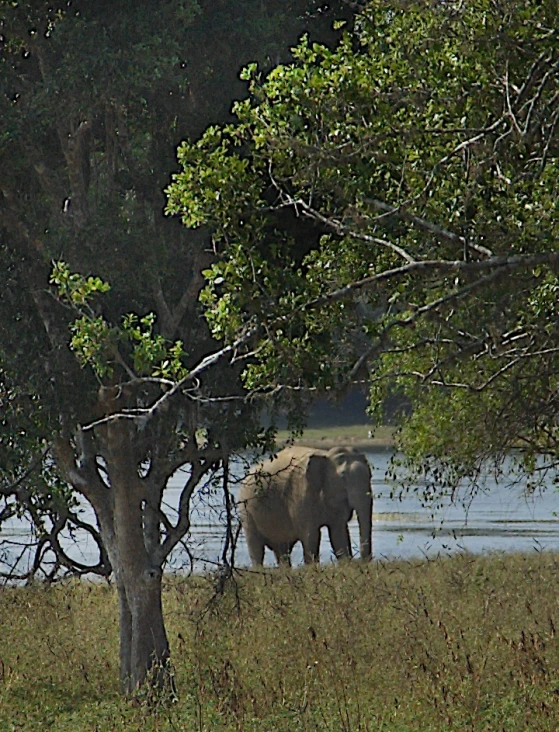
(361, 443)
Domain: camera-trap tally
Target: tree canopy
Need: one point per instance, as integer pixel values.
(423, 150)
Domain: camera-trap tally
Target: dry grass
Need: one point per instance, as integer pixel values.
(358, 434)
(465, 643)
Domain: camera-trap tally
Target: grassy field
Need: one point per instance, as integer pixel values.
(463, 643)
(357, 435)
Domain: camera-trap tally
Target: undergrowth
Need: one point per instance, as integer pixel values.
(460, 643)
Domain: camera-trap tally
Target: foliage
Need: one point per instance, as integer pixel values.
(450, 644)
(424, 150)
(100, 289)
(96, 343)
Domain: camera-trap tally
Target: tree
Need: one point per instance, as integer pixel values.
(424, 150)
(95, 96)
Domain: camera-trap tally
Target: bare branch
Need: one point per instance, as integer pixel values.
(509, 105)
(73, 564)
(530, 76)
(459, 148)
(170, 320)
(421, 223)
(339, 228)
(512, 262)
(176, 533)
(11, 488)
(538, 96)
(550, 137)
(434, 305)
(211, 360)
(481, 387)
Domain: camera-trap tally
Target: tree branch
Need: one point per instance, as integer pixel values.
(339, 228)
(511, 262)
(207, 362)
(421, 223)
(11, 488)
(176, 533)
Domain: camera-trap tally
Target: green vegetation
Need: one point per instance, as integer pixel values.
(424, 148)
(94, 99)
(383, 211)
(463, 643)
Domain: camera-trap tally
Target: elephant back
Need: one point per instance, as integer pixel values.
(269, 495)
(277, 475)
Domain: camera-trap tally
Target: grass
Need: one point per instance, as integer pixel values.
(351, 434)
(461, 643)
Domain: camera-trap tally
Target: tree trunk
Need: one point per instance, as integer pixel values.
(144, 648)
(144, 645)
(130, 538)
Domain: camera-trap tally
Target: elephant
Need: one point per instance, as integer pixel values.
(290, 497)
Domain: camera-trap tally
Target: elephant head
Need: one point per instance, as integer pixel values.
(354, 472)
(288, 499)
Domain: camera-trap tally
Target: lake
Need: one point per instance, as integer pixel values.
(503, 517)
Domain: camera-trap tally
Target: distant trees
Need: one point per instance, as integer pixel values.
(94, 98)
(425, 151)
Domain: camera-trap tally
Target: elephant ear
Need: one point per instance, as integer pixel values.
(317, 467)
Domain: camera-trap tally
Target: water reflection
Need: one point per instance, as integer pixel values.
(502, 517)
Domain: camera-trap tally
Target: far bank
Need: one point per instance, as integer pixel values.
(361, 436)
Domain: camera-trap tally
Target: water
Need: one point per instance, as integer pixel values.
(501, 518)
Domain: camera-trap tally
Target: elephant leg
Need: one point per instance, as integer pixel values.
(255, 543)
(339, 538)
(311, 546)
(283, 554)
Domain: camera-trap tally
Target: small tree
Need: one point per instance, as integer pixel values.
(424, 149)
(94, 98)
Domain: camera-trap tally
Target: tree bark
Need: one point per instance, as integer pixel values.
(125, 627)
(126, 507)
(144, 646)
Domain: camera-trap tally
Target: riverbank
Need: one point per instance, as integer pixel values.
(363, 437)
(457, 643)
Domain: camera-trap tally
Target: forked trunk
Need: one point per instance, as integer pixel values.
(144, 648)
(131, 539)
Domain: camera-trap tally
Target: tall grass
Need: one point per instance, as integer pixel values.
(461, 643)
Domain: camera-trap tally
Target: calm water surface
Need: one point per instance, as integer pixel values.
(502, 517)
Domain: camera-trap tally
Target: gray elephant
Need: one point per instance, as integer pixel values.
(288, 499)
